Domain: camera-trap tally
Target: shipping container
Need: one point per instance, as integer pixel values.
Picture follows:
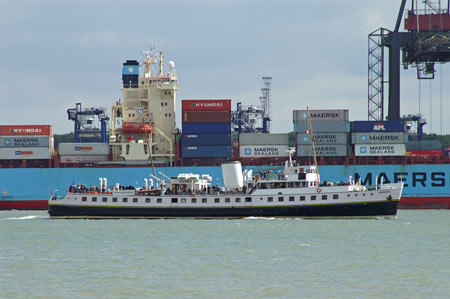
(263, 151)
(323, 138)
(206, 151)
(206, 116)
(378, 126)
(379, 137)
(263, 139)
(380, 150)
(205, 105)
(322, 127)
(424, 145)
(206, 128)
(83, 159)
(331, 150)
(25, 153)
(425, 153)
(26, 141)
(11, 130)
(205, 139)
(83, 149)
(320, 115)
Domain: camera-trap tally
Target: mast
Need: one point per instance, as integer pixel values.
(313, 146)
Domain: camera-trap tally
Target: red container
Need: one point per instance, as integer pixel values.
(425, 153)
(7, 130)
(206, 105)
(206, 116)
(133, 127)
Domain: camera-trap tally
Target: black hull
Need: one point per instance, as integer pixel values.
(387, 208)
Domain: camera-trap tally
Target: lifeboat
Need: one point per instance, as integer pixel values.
(136, 128)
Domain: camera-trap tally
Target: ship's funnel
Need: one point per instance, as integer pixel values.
(232, 175)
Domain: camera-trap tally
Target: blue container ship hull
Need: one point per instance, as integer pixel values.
(425, 186)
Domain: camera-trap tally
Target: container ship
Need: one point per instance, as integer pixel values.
(142, 139)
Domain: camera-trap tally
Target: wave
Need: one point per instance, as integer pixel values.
(24, 217)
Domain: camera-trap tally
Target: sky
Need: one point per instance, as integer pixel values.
(54, 54)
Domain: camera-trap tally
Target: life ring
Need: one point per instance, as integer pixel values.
(319, 190)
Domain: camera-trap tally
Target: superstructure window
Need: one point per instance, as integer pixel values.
(174, 200)
(270, 199)
(94, 198)
(302, 198)
(159, 200)
(313, 197)
(248, 199)
(84, 198)
(324, 197)
(237, 199)
(125, 199)
(217, 200)
(114, 199)
(204, 200)
(335, 196)
(135, 200)
(227, 200)
(291, 198)
(147, 200)
(281, 198)
(194, 200)
(183, 200)
(104, 199)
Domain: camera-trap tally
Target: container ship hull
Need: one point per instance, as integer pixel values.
(425, 186)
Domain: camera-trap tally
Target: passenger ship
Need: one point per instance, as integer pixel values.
(295, 192)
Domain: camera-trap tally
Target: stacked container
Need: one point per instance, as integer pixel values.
(206, 126)
(262, 145)
(26, 142)
(330, 130)
(379, 138)
(83, 152)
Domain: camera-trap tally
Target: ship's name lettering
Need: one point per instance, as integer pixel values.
(413, 179)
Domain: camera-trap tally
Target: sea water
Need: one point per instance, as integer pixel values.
(225, 258)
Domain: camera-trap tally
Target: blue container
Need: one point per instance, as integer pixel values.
(206, 128)
(378, 126)
(205, 139)
(206, 151)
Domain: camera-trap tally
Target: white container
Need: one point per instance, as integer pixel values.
(25, 153)
(82, 149)
(261, 151)
(83, 159)
(232, 175)
(26, 141)
(263, 139)
(320, 115)
(380, 150)
(332, 150)
(323, 138)
(379, 138)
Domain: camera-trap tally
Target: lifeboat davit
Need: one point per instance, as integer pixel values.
(136, 128)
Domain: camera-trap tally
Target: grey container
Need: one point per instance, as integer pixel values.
(323, 138)
(320, 115)
(339, 150)
(323, 127)
(26, 141)
(263, 139)
(379, 138)
(82, 149)
(376, 150)
(25, 153)
(424, 145)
